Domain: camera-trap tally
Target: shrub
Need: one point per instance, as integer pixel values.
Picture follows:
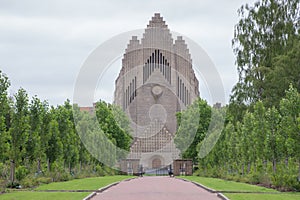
(44, 180)
(32, 181)
(29, 181)
(2, 186)
(65, 177)
(21, 172)
(12, 184)
(100, 171)
(286, 177)
(2, 170)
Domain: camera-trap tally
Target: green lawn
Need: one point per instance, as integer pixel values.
(223, 185)
(44, 195)
(83, 184)
(281, 196)
(77, 184)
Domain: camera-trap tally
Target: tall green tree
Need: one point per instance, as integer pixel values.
(232, 145)
(286, 71)
(70, 140)
(273, 139)
(4, 117)
(19, 130)
(248, 147)
(259, 130)
(193, 126)
(114, 124)
(55, 147)
(33, 144)
(83, 123)
(98, 143)
(290, 110)
(265, 30)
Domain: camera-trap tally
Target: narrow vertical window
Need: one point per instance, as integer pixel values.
(126, 99)
(178, 86)
(130, 92)
(170, 74)
(180, 90)
(143, 74)
(135, 86)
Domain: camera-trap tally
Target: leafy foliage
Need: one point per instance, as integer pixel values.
(260, 142)
(193, 126)
(263, 148)
(265, 35)
(116, 129)
(38, 141)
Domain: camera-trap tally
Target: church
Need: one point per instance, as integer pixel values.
(155, 82)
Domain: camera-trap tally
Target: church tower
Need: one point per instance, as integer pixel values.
(156, 81)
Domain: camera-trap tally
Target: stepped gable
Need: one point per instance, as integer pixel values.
(157, 21)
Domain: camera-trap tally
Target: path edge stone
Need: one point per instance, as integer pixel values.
(220, 195)
(90, 196)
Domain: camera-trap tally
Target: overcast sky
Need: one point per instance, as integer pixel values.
(44, 43)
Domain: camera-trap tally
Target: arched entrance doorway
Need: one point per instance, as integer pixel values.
(156, 163)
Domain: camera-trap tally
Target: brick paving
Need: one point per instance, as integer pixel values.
(158, 188)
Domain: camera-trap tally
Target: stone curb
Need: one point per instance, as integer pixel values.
(90, 196)
(220, 195)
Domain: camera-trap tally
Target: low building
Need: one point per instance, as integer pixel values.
(183, 167)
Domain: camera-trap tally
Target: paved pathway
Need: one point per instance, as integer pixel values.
(156, 188)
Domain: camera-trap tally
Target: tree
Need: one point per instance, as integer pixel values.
(273, 140)
(193, 126)
(55, 146)
(4, 110)
(248, 147)
(286, 72)
(70, 140)
(259, 130)
(232, 145)
(121, 118)
(83, 123)
(114, 124)
(264, 31)
(33, 144)
(290, 111)
(19, 130)
(94, 138)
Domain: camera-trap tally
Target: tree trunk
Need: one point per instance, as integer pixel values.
(274, 165)
(12, 171)
(249, 167)
(48, 164)
(70, 167)
(243, 168)
(80, 166)
(39, 165)
(286, 161)
(265, 162)
(299, 171)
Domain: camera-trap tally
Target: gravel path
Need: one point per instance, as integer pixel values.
(162, 188)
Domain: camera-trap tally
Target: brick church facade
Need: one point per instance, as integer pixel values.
(156, 81)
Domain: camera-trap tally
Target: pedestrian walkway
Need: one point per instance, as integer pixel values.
(156, 188)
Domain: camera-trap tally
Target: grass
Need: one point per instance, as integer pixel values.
(43, 195)
(223, 185)
(281, 196)
(77, 184)
(83, 184)
(98, 182)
